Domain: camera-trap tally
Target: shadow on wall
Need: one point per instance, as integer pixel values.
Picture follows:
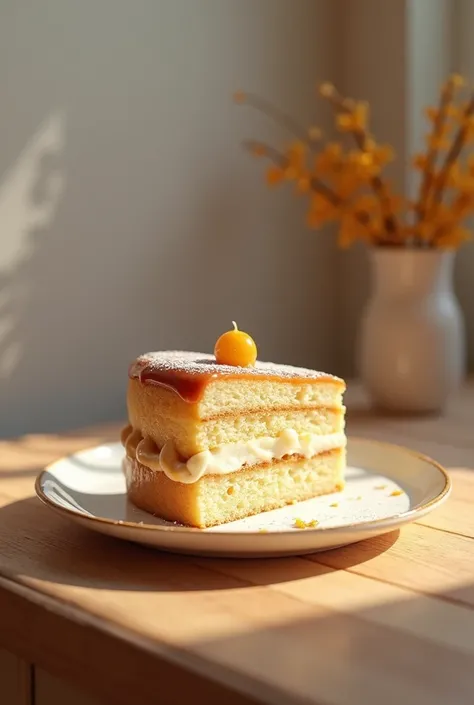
(66, 295)
(121, 203)
(29, 197)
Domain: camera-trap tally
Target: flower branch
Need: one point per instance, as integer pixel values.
(348, 186)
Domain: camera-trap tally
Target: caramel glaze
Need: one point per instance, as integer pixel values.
(138, 448)
(190, 386)
(130, 439)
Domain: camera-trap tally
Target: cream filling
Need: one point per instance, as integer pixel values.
(233, 456)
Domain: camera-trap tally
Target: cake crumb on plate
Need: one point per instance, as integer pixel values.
(300, 524)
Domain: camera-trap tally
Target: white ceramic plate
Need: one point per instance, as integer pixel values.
(387, 486)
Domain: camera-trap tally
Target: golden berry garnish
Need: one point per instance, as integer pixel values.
(236, 348)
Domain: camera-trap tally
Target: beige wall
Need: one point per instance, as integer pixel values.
(130, 219)
(463, 61)
(396, 55)
(373, 37)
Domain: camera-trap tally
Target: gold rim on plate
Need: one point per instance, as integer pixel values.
(386, 521)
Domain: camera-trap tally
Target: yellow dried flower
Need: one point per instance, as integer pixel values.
(368, 203)
(321, 211)
(366, 159)
(258, 150)
(370, 144)
(468, 121)
(361, 114)
(431, 113)
(457, 80)
(466, 186)
(240, 97)
(451, 112)
(348, 186)
(454, 176)
(434, 113)
(437, 142)
(345, 122)
(361, 165)
(275, 175)
(314, 220)
(453, 238)
(303, 185)
(328, 158)
(468, 125)
(351, 230)
(394, 202)
(424, 231)
(327, 90)
(463, 203)
(296, 155)
(291, 173)
(420, 161)
(459, 111)
(383, 154)
(347, 234)
(355, 120)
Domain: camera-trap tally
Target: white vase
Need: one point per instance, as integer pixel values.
(412, 351)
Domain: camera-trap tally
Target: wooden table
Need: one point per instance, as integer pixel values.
(389, 620)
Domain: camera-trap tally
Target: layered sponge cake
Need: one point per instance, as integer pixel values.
(208, 443)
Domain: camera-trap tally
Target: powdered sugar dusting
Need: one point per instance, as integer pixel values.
(193, 363)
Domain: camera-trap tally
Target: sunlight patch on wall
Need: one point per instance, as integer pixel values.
(30, 192)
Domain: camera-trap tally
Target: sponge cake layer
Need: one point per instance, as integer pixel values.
(217, 499)
(193, 384)
(191, 435)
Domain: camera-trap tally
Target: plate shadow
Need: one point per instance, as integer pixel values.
(37, 544)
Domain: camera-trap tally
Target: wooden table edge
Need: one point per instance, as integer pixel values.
(85, 650)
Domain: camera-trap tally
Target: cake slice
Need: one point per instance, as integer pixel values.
(209, 443)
